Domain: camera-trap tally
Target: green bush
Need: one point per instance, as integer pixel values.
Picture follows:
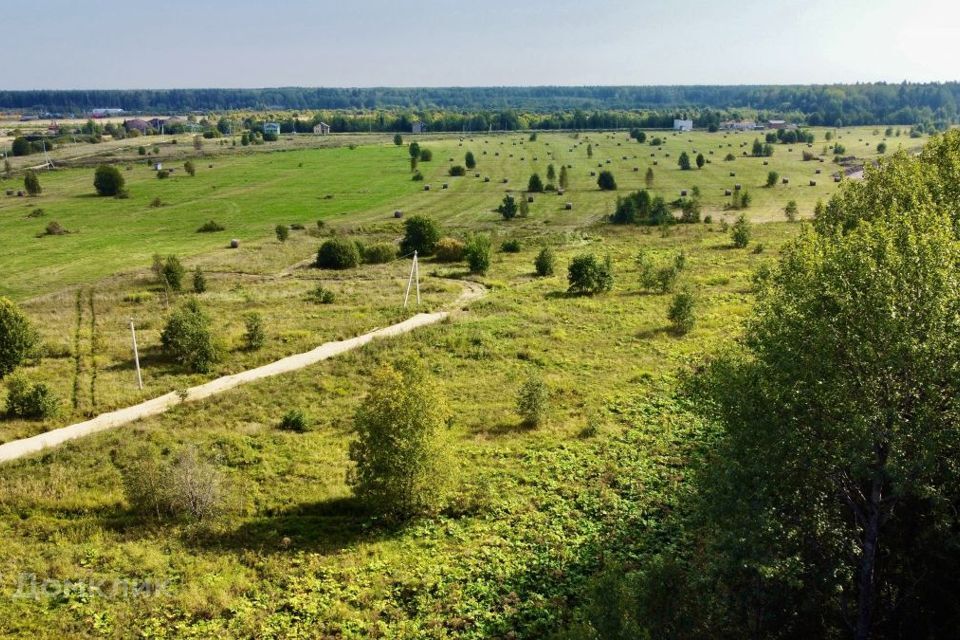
(171, 273)
(199, 281)
(25, 399)
(187, 338)
(508, 208)
(532, 401)
(380, 253)
(477, 252)
(210, 226)
(163, 174)
(535, 184)
(681, 312)
(470, 160)
(426, 155)
(189, 168)
(512, 245)
(32, 183)
(282, 231)
(295, 420)
(17, 337)
(740, 233)
(107, 180)
(403, 466)
(449, 250)
(254, 334)
(544, 262)
(189, 488)
(587, 275)
(457, 171)
(421, 235)
(338, 253)
(606, 181)
(322, 295)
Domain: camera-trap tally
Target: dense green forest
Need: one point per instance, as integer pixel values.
(831, 105)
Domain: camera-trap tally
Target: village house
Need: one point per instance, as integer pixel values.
(683, 125)
(418, 127)
(321, 129)
(136, 124)
(271, 128)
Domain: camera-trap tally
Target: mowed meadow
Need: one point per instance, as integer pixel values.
(535, 512)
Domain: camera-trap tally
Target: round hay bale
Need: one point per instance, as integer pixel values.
(398, 214)
(593, 174)
(819, 171)
(683, 193)
(765, 163)
(656, 162)
(737, 186)
(636, 169)
(506, 180)
(486, 179)
(727, 192)
(234, 244)
(559, 192)
(733, 174)
(568, 206)
(20, 194)
(209, 166)
(786, 181)
(836, 178)
(813, 183)
(426, 187)
(9, 192)
(445, 185)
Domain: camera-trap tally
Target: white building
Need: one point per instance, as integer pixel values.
(418, 127)
(271, 127)
(321, 129)
(683, 125)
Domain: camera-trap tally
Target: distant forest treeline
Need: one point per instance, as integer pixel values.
(831, 105)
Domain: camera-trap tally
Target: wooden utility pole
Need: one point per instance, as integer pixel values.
(136, 354)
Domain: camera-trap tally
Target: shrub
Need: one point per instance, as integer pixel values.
(740, 233)
(398, 140)
(295, 420)
(282, 231)
(403, 462)
(532, 400)
(338, 253)
(508, 208)
(457, 171)
(32, 183)
(587, 275)
(421, 235)
(380, 253)
(199, 281)
(187, 339)
(189, 168)
(210, 226)
(882, 148)
(543, 263)
(107, 180)
(417, 177)
(535, 184)
(681, 312)
(54, 228)
(772, 178)
(512, 245)
(156, 203)
(449, 250)
(470, 160)
(189, 487)
(322, 295)
(426, 155)
(684, 161)
(171, 273)
(791, 211)
(163, 174)
(606, 181)
(477, 252)
(414, 150)
(25, 399)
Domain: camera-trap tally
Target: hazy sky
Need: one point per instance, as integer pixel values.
(242, 43)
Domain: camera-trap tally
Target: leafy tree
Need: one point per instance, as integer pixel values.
(544, 262)
(189, 168)
(477, 252)
(551, 173)
(32, 183)
(590, 150)
(21, 146)
(740, 232)
(107, 180)
(882, 148)
(606, 181)
(648, 179)
(426, 155)
(338, 253)
(587, 275)
(684, 161)
(398, 140)
(254, 335)
(535, 184)
(30, 400)
(171, 273)
(283, 232)
(772, 178)
(187, 338)
(17, 337)
(508, 208)
(791, 211)
(700, 161)
(681, 312)
(414, 150)
(532, 399)
(199, 281)
(457, 171)
(564, 180)
(470, 160)
(421, 235)
(403, 465)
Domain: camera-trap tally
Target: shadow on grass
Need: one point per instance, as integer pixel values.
(322, 527)
(649, 334)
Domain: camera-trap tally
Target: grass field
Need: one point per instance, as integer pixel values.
(536, 511)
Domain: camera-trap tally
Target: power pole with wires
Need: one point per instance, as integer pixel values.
(414, 277)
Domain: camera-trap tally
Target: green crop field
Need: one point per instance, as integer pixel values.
(535, 512)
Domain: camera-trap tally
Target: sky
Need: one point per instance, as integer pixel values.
(104, 44)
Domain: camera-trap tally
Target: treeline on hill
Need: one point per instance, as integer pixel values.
(829, 105)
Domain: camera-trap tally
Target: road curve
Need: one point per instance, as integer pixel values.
(20, 448)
